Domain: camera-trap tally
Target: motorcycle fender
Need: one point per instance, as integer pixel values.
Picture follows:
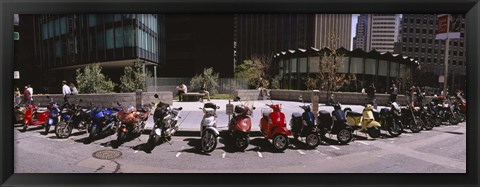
(213, 129)
(373, 123)
(158, 132)
(280, 130)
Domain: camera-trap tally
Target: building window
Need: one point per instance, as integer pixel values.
(424, 31)
(416, 49)
(429, 50)
(109, 38)
(108, 18)
(356, 65)
(412, 20)
(92, 20)
(128, 33)
(410, 39)
(411, 30)
(455, 53)
(417, 31)
(118, 17)
(410, 49)
(100, 44)
(118, 37)
(50, 29)
(418, 21)
(405, 30)
(460, 63)
(63, 25)
(430, 31)
(44, 31)
(461, 53)
(57, 27)
(424, 40)
(423, 50)
(58, 49)
(404, 40)
(417, 40)
(404, 49)
(370, 66)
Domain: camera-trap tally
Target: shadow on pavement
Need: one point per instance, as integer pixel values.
(195, 148)
(263, 145)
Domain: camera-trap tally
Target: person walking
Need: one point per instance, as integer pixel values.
(27, 95)
(73, 89)
(393, 93)
(17, 96)
(30, 89)
(203, 89)
(66, 91)
(181, 91)
(371, 94)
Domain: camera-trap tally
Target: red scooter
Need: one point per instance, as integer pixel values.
(273, 126)
(34, 116)
(240, 125)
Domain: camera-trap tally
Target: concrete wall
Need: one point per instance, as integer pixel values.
(342, 97)
(106, 100)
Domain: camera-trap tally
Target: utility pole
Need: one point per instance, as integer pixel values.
(445, 80)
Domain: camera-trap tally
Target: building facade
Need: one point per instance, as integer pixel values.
(418, 41)
(265, 34)
(360, 39)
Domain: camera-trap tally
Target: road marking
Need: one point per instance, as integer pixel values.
(178, 154)
(223, 155)
(407, 135)
(364, 143)
(301, 152)
(334, 147)
(259, 154)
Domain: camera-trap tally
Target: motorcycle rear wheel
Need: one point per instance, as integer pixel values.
(280, 142)
(416, 127)
(428, 124)
(344, 136)
(454, 120)
(209, 141)
(438, 121)
(24, 127)
(395, 129)
(63, 130)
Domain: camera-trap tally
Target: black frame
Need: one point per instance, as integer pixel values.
(7, 9)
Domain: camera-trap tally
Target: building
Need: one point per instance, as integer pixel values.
(264, 34)
(381, 68)
(418, 41)
(360, 39)
(377, 31)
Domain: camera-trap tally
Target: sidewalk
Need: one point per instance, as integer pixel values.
(191, 115)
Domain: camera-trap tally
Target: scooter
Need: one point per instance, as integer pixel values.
(303, 125)
(273, 126)
(240, 125)
(34, 116)
(73, 116)
(208, 127)
(165, 123)
(364, 121)
(390, 119)
(132, 122)
(336, 124)
(410, 120)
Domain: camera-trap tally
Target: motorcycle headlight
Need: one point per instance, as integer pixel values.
(207, 120)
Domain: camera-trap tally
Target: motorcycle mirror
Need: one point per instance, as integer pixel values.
(253, 108)
(180, 108)
(237, 98)
(156, 96)
(48, 96)
(218, 107)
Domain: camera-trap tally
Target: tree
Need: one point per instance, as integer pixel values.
(134, 78)
(208, 77)
(255, 70)
(92, 80)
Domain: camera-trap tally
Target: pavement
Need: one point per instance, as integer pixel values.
(191, 116)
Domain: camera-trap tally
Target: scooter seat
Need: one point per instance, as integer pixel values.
(42, 110)
(296, 115)
(354, 114)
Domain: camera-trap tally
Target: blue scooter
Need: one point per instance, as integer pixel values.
(53, 116)
(303, 125)
(335, 123)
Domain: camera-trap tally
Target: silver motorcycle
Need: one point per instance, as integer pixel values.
(166, 123)
(208, 127)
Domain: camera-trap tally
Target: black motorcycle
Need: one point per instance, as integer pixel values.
(390, 118)
(427, 118)
(335, 124)
(303, 125)
(432, 109)
(410, 120)
(73, 117)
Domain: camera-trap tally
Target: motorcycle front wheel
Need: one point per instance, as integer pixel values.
(416, 127)
(374, 132)
(428, 123)
(312, 140)
(280, 142)
(241, 142)
(93, 133)
(63, 130)
(454, 120)
(395, 129)
(209, 141)
(122, 136)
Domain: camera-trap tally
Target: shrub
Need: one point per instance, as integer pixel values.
(208, 77)
(92, 80)
(133, 78)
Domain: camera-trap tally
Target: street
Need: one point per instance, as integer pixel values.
(441, 150)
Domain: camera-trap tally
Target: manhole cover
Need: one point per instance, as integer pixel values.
(107, 154)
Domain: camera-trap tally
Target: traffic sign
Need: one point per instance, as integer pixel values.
(441, 79)
(229, 109)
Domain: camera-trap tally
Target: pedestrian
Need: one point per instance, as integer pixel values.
(73, 89)
(371, 94)
(393, 93)
(181, 91)
(17, 96)
(203, 89)
(263, 90)
(27, 95)
(30, 89)
(66, 91)
(419, 96)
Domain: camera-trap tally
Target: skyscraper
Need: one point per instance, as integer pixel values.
(360, 39)
(418, 41)
(377, 31)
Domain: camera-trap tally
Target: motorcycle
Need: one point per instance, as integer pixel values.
(303, 125)
(165, 123)
(446, 110)
(460, 109)
(432, 109)
(54, 115)
(336, 124)
(132, 122)
(427, 118)
(273, 126)
(240, 125)
(364, 121)
(34, 116)
(73, 116)
(208, 131)
(390, 119)
(411, 120)
(103, 122)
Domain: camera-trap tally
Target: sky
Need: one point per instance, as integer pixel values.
(354, 26)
